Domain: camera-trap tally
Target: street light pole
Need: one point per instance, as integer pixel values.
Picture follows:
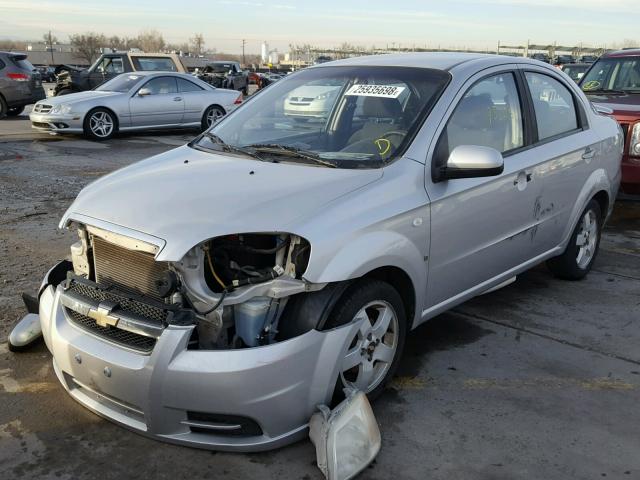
(243, 59)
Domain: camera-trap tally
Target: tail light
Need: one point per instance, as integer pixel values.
(18, 77)
(238, 100)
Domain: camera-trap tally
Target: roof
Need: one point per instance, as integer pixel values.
(435, 60)
(629, 52)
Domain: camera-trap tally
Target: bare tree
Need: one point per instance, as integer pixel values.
(48, 38)
(88, 45)
(151, 41)
(197, 42)
(9, 45)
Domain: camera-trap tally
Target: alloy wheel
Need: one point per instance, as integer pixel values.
(101, 124)
(587, 239)
(213, 115)
(372, 351)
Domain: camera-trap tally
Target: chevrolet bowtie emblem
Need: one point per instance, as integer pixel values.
(102, 315)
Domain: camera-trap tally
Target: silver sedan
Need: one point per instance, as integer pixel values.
(136, 101)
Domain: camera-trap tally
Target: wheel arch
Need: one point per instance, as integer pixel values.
(602, 197)
(110, 110)
(402, 283)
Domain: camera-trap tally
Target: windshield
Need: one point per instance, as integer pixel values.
(122, 83)
(349, 117)
(615, 74)
(218, 68)
(576, 72)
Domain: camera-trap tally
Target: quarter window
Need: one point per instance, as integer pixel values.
(553, 104)
(187, 86)
(488, 115)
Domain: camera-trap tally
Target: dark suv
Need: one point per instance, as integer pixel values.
(20, 84)
(614, 80)
(109, 65)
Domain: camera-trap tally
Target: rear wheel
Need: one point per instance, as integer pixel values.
(578, 258)
(211, 115)
(14, 112)
(373, 354)
(100, 124)
(3, 107)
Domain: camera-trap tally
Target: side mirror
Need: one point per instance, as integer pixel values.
(143, 92)
(471, 161)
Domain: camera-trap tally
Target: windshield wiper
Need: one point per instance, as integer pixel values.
(603, 90)
(231, 148)
(290, 151)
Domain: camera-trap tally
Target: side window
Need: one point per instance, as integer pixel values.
(489, 115)
(553, 104)
(100, 68)
(187, 86)
(113, 65)
(162, 85)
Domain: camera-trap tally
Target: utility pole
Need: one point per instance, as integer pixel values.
(51, 47)
(244, 42)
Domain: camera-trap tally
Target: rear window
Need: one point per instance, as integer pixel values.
(154, 64)
(22, 63)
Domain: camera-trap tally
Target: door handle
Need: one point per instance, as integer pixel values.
(588, 153)
(177, 99)
(523, 176)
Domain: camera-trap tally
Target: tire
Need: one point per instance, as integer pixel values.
(366, 365)
(581, 252)
(64, 91)
(100, 124)
(3, 108)
(245, 91)
(14, 112)
(211, 115)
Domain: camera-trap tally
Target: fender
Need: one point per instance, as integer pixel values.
(369, 252)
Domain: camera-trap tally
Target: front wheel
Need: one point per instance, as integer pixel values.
(372, 356)
(578, 257)
(100, 124)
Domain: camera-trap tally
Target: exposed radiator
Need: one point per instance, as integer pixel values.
(130, 270)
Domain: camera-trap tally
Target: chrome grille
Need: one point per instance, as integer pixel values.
(42, 108)
(131, 340)
(625, 132)
(155, 313)
(130, 270)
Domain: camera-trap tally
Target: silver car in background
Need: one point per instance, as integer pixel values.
(136, 101)
(220, 291)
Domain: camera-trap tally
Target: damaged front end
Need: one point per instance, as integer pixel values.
(209, 351)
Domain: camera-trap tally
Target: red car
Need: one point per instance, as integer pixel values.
(614, 81)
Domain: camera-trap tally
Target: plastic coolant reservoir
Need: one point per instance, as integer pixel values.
(250, 318)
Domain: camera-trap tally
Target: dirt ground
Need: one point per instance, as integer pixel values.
(538, 380)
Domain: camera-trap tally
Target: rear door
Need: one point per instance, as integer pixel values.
(562, 151)
(481, 228)
(163, 106)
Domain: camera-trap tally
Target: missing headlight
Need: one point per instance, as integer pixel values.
(233, 261)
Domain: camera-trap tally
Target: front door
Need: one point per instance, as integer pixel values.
(106, 69)
(482, 227)
(162, 105)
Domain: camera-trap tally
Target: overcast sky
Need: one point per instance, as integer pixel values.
(224, 23)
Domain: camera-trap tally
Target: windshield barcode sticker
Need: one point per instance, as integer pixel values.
(385, 91)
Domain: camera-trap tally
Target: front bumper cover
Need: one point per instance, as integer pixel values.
(71, 123)
(277, 386)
